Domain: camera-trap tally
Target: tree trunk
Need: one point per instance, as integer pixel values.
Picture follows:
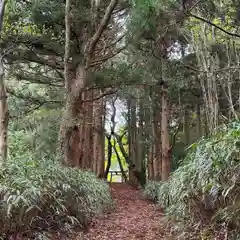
(157, 148)
(72, 126)
(186, 126)
(141, 141)
(98, 133)
(109, 156)
(165, 138)
(133, 142)
(87, 134)
(119, 161)
(150, 132)
(3, 97)
(199, 122)
(3, 114)
(122, 149)
(150, 163)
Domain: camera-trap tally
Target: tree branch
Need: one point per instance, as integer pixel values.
(174, 137)
(39, 79)
(2, 10)
(100, 30)
(30, 56)
(214, 25)
(102, 95)
(31, 99)
(107, 57)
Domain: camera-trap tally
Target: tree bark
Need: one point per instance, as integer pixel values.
(150, 163)
(87, 134)
(186, 126)
(157, 149)
(72, 126)
(122, 149)
(150, 132)
(165, 137)
(67, 43)
(3, 114)
(98, 140)
(109, 156)
(3, 97)
(199, 121)
(141, 140)
(119, 161)
(133, 142)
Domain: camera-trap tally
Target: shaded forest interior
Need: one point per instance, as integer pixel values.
(149, 89)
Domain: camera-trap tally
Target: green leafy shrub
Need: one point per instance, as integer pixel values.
(206, 188)
(151, 190)
(45, 196)
(35, 135)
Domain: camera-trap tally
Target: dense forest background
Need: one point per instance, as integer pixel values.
(149, 87)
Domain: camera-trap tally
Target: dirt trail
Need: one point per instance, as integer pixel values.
(133, 218)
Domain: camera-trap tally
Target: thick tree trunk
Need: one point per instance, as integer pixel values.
(165, 137)
(72, 138)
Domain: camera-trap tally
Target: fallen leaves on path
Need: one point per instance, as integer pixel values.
(133, 218)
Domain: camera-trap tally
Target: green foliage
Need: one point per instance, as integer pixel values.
(151, 190)
(35, 135)
(42, 195)
(206, 187)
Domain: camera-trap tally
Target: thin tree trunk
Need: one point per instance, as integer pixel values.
(133, 143)
(199, 121)
(109, 156)
(3, 114)
(119, 161)
(141, 140)
(98, 132)
(157, 148)
(165, 138)
(67, 43)
(122, 149)
(3, 98)
(186, 126)
(150, 132)
(150, 163)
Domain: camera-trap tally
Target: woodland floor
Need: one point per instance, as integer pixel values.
(133, 218)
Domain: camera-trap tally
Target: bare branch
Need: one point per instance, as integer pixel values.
(100, 30)
(102, 95)
(174, 137)
(107, 57)
(214, 25)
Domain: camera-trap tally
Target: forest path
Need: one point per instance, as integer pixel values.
(133, 218)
